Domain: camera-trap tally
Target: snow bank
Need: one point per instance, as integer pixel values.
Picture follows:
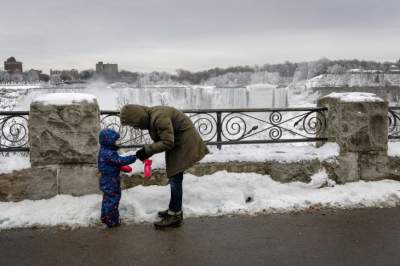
(20, 86)
(218, 194)
(355, 97)
(65, 98)
(394, 149)
(273, 152)
(13, 162)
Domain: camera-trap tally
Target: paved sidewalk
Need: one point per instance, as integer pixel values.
(356, 237)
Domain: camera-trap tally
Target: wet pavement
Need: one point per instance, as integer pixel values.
(356, 237)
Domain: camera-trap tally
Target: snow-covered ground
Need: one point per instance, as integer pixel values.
(17, 86)
(218, 194)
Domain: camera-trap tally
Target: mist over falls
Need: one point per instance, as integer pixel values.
(114, 96)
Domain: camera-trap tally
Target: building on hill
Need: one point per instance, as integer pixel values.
(37, 75)
(364, 71)
(12, 66)
(66, 75)
(33, 75)
(394, 69)
(109, 71)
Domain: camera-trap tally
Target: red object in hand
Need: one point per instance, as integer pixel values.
(126, 168)
(147, 168)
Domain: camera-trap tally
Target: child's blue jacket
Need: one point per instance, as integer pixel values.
(109, 162)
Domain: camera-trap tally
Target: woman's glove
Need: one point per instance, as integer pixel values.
(142, 155)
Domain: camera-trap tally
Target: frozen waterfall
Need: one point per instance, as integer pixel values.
(113, 96)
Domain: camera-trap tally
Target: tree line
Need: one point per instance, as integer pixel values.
(297, 71)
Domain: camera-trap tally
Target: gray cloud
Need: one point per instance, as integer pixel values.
(169, 34)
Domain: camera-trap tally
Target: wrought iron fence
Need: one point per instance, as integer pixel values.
(238, 126)
(14, 131)
(217, 127)
(394, 123)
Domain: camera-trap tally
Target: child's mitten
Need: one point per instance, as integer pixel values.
(126, 169)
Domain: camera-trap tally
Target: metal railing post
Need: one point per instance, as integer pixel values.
(219, 130)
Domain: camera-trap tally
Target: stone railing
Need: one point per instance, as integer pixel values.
(358, 123)
(63, 140)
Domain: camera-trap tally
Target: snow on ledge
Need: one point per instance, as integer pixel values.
(282, 153)
(13, 163)
(393, 149)
(355, 97)
(65, 98)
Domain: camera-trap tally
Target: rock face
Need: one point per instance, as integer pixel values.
(43, 182)
(356, 126)
(33, 183)
(79, 179)
(360, 127)
(63, 134)
(279, 171)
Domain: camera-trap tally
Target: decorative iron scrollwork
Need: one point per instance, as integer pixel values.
(216, 127)
(205, 124)
(234, 127)
(129, 137)
(14, 131)
(394, 123)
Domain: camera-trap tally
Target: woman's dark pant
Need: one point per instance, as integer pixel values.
(175, 182)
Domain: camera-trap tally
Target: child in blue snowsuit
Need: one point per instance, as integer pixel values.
(109, 164)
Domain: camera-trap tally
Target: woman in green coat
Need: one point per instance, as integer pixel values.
(173, 133)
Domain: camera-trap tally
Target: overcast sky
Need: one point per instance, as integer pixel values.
(166, 35)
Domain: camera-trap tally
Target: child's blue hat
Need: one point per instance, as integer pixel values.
(108, 137)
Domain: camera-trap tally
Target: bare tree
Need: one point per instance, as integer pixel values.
(336, 69)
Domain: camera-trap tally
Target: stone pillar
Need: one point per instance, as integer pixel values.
(63, 135)
(358, 123)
